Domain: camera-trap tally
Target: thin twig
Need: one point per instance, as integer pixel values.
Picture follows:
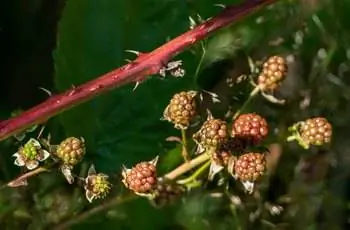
(103, 207)
(136, 71)
(22, 179)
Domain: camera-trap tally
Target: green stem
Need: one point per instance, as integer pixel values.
(255, 92)
(200, 61)
(187, 166)
(291, 138)
(196, 174)
(184, 145)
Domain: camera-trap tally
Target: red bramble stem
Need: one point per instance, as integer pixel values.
(145, 65)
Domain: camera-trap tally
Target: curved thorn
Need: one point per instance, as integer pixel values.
(137, 53)
(220, 5)
(46, 91)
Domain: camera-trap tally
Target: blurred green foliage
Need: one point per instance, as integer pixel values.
(67, 43)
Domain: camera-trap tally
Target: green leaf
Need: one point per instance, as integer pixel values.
(121, 126)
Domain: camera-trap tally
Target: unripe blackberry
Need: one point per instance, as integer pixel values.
(100, 185)
(96, 185)
(166, 192)
(30, 154)
(212, 134)
(30, 151)
(316, 131)
(181, 109)
(250, 128)
(142, 178)
(273, 72)
(71, 150)
(250, 166)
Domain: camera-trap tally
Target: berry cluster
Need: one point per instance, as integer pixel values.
(225, 144)
(247, 131)
(231, 145)
(65, 155)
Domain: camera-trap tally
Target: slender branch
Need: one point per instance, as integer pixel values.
(136, 71)
(108, 204)
(22, 179)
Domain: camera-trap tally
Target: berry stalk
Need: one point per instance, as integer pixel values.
(196, 174)
(252, 95)
(184, 145)
(136, 71)
(187, 166)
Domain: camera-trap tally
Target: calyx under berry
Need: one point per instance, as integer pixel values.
(96, 185)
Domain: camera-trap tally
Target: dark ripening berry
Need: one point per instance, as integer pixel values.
(181, 109)
(273, 72)
(250, 128)
(142, 178)
(235, 145)
(166, 193)
(223, 153)
(316, 131)
(212, 134)
(221, 157)
(71, 151)
(250, 166)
